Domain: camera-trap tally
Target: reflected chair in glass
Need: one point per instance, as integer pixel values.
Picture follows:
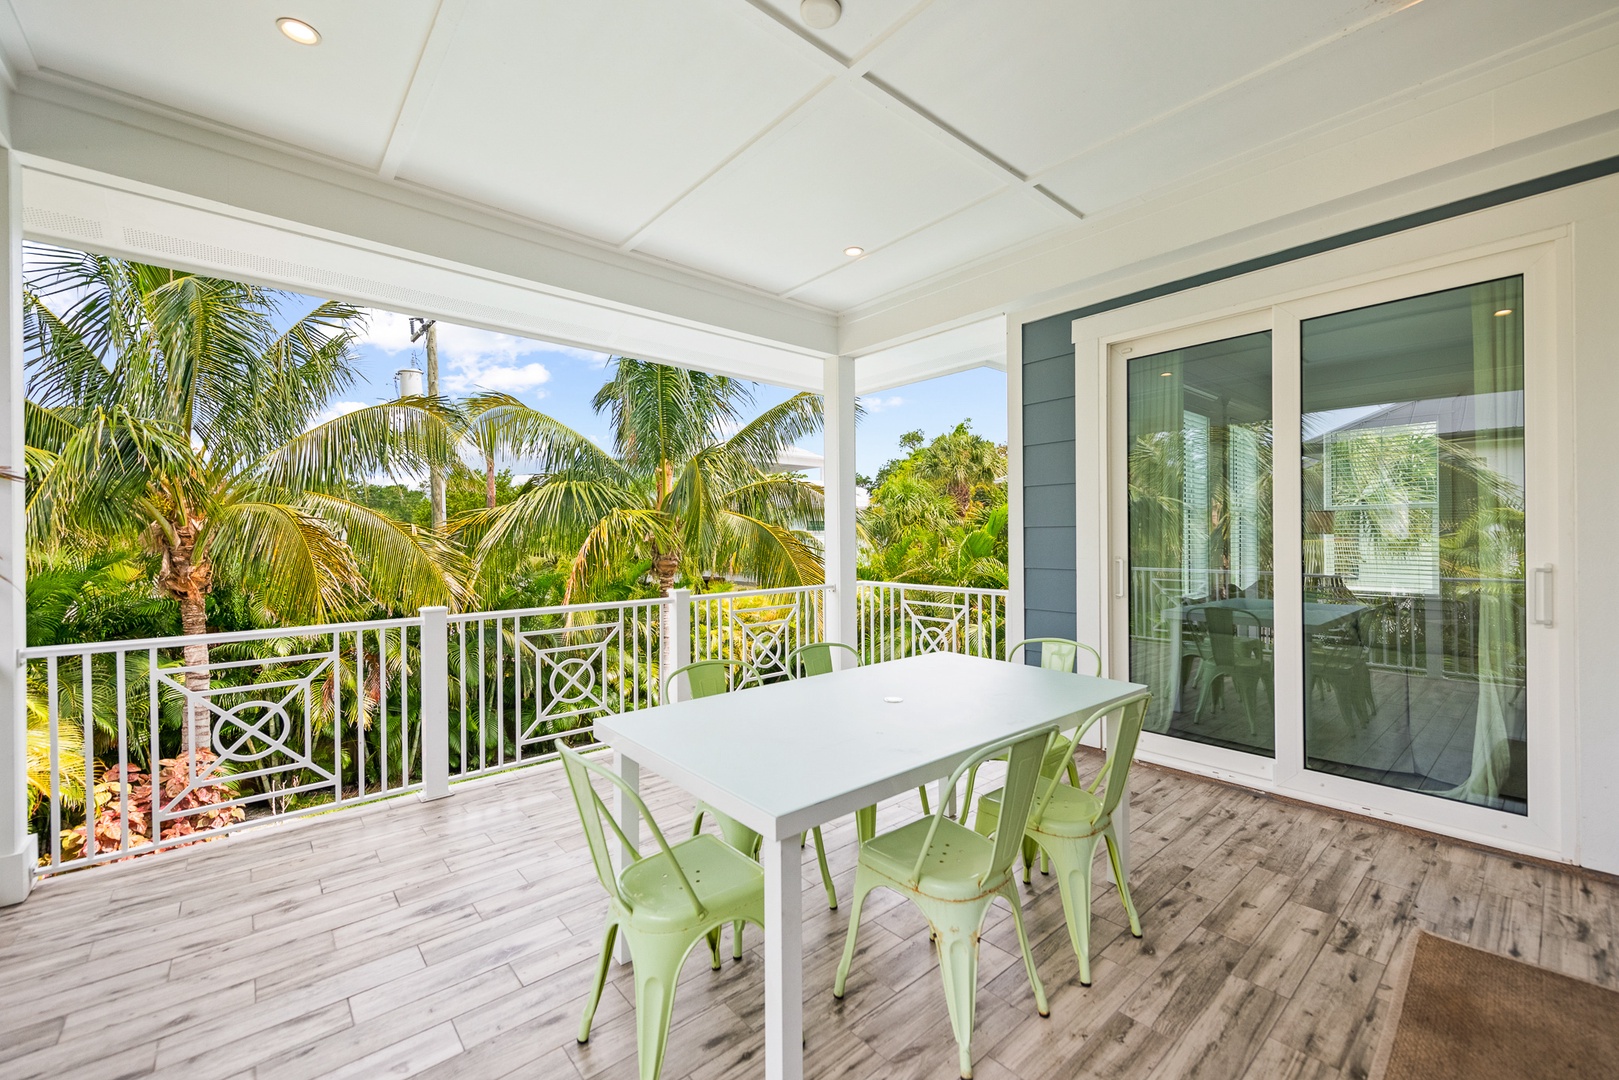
(816, 659)
(1067, 821)
(1056, 654)
(663, 904)
(1228, 651)
(953, 874)
(705, 678)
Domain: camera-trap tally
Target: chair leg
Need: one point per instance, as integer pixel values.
(1073, 859)
(1010, 895)
(713, 938)
(1118, 878)
(595, 997)
(861, 888)
(826, 872)
(865, 822)
(923, 791)
(697, 822)
(657, 966)
(956, 933)
(1031, 853)
(736, 940)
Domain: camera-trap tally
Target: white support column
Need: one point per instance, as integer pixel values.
(435, 690)
(676, 642)
(842, 553)
(18, 850)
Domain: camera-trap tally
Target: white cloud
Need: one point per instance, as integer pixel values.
(474, 359)
(879, 404)
(334, 410)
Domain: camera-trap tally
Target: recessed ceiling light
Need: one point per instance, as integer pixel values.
(1163, 374)
(1503, 311)
(820, 14)
(854, 252)
(298, 30)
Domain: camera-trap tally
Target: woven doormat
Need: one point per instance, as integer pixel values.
(1463, 1013)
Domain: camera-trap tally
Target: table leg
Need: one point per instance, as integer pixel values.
(1121, 813)
(784, 960)
(629, 819)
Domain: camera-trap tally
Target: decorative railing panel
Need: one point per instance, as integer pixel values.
(761, 629)
(895, 620)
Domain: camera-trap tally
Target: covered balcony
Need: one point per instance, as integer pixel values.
(1306, 317)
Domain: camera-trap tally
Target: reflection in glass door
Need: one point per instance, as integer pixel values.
(1414, 544)
(1200, 600)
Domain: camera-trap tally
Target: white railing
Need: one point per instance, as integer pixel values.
(165, 741)
(894, 620)
(760, 629)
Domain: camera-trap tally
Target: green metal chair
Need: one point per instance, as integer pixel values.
(704, 678)
(1068, 820)
(953, 875)
(663, 903)
(816, 659)
(1056, 654)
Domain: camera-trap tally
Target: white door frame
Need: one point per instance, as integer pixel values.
(1103, 345)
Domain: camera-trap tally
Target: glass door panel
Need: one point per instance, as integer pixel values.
(1414, 544)
(1200, 597)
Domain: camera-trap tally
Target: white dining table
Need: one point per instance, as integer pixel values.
(788, 756)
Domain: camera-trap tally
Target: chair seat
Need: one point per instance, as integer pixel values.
(722, 877)
(1072, 812)
(959, 856)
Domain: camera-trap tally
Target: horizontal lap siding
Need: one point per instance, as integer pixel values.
(1048, 479)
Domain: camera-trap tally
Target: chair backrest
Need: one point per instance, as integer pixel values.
(1024, 753)
(1116, 769)
(1061, 654)
(593, 812)
(816, 658)
(704, 678)
(1224, 626)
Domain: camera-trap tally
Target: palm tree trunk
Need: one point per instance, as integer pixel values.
(489, 482)
(199, 726)
(665, 567)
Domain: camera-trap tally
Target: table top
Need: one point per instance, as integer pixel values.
(784, 757)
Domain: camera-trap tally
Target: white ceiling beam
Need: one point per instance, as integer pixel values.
(440, 36)
(16, 55)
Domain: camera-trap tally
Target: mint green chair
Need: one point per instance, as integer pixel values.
(953, 875)
(1056, 654)
(1069, 820)
(816, 659)
(705, 678)
(664, 904)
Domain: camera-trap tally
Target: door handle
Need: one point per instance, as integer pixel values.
(1542, 613)
(1118, 577)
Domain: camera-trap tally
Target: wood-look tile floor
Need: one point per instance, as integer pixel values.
(457, 939)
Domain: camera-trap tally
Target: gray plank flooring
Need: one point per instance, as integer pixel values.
(457, 939)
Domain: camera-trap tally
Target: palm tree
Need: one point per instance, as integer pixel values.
(676, 492)
(960, 462)
(177, 409)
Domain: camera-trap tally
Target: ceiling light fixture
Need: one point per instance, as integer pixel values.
(820, 14)
(298, 30)
(1504, 311)
(854, 252)
(1164, 374)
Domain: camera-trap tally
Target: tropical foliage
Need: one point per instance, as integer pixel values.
(938, 514)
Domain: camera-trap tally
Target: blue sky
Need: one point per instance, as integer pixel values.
(561, 381)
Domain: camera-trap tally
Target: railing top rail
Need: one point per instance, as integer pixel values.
(556, 609)
(178, 641)
(743, 594)
(933, 588)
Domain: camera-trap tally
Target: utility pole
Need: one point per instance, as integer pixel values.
(428, 328)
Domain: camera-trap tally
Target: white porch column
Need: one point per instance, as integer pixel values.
(842, 555)
(17, 848)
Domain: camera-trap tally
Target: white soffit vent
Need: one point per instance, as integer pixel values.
(116, 219)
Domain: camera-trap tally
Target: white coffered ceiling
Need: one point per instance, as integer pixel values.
(725, 137)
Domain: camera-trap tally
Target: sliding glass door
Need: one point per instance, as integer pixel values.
(1199, 462)
(1326, 512)
(1415, 542)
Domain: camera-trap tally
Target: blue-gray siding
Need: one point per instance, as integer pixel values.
(1048, 479)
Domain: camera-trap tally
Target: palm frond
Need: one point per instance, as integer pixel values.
(405, 436)
(293, 559)
(404, 568)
